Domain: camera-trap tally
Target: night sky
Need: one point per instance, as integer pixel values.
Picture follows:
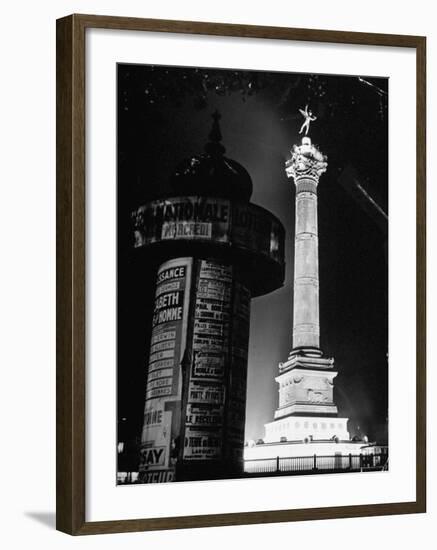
(164, 116)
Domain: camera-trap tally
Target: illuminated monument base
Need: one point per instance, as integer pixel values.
(306, 422)
(306, 428)
(292, 449)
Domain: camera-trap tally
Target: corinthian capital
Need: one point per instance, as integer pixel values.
(306, 161)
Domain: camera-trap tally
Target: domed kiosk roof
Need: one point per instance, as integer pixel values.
(211, 173)
(206, 213)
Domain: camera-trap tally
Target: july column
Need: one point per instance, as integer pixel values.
(306, 166)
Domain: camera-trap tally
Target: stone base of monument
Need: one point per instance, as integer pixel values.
(290, 449)
(306, 428)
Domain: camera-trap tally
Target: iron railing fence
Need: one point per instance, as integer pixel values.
(316, 463)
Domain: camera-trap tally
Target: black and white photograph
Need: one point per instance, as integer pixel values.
(252, 274)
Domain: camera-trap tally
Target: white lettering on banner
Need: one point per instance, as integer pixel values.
(181, 230)
(172, 273)
(165, 300)
(166, 315)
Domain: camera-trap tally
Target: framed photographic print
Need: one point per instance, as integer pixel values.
(240, 274)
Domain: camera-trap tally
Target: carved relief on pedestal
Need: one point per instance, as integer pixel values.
(311, 388)
(317, 396)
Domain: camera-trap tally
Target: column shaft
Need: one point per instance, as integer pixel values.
(306, 328)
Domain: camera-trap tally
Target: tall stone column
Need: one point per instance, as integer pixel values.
(306, 166)
(306, 411)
